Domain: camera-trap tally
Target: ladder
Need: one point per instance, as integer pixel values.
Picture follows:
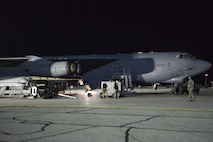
(122, 72)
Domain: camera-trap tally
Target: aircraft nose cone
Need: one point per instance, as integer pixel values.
(203, 65)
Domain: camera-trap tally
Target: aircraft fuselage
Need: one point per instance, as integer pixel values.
(153, 67)
(150, 67)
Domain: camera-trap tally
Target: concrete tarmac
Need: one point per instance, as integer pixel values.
(133, 118)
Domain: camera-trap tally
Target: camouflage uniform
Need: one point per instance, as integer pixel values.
(116, 93)
(190, 88)
(105, 94)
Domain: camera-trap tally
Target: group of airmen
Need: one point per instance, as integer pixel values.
(116, 93)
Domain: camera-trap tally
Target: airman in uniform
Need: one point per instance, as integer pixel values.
(116, 92)
(104, 90)
(190, 88)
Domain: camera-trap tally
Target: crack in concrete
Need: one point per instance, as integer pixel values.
(139, 121)
(127, 135)
(43, 128)
(127, 131)
(170, 130)
(58, 134)
(46, 124)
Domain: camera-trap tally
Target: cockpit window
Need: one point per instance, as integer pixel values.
(180, 56)
(191, 56)
(185, 56)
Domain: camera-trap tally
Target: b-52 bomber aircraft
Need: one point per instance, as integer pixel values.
(153, 67)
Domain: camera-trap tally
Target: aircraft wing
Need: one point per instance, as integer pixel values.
(87, 62)
(12, 61)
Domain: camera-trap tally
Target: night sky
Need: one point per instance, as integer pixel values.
(95, 27)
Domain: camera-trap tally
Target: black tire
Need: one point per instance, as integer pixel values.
(47, 94)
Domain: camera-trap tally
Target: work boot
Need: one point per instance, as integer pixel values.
(194, 100)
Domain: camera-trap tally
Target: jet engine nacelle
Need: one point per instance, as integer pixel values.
(63, 68)
(176, 80)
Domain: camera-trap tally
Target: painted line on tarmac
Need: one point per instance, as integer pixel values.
(112, 107)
